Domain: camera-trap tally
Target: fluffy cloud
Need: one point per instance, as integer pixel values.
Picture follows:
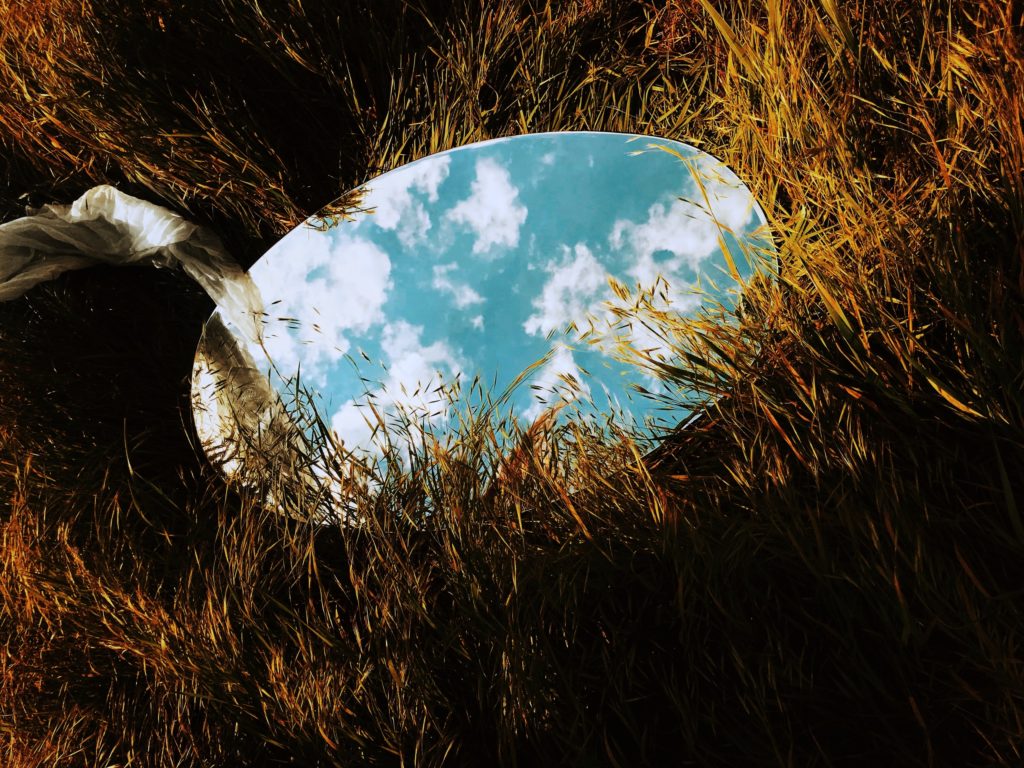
(462, 294)
(680, 228)
(573, 289)
(416, 377)
(492, 210)
(412, 367)
(688, 233)
(560, 380)
(731, 201)
(688, 229)
(318, 287)
(638, 331)
(395, 206)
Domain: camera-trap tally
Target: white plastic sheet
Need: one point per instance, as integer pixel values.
(239, 417)
(106, 226)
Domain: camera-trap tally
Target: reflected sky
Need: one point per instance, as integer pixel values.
(475, 262)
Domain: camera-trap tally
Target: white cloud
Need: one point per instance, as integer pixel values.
(548, 158)
(639, 334)
(560, 380)
(731, 201)
(573, 289)
(353, 423)
(492, 210)
(685, 228)
(462, 294)
(478, 322)
(317, 288)
(395, 207)
(417, 375)
(412, 367)
(688, 232)
(680, 228)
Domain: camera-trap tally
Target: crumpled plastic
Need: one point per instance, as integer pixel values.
(106, 226)
(239, 417)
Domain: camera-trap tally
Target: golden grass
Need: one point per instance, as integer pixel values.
(824, 569)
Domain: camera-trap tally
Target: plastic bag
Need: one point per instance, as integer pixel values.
(106, 226)
(239, 417)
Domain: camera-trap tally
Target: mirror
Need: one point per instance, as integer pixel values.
(462, 270)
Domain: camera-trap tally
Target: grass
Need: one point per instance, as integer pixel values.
(825, 569)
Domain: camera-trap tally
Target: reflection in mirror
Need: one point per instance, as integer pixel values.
(554, 254)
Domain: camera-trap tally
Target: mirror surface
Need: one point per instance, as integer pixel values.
(475, 264)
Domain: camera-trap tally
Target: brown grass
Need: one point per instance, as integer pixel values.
(823, 570)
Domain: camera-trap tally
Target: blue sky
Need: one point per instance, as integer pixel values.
(475, 261)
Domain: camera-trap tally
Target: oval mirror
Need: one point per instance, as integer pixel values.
(475, 265)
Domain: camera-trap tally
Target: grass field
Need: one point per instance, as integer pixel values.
(825, 569)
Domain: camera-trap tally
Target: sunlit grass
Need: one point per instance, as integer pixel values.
(823, 568)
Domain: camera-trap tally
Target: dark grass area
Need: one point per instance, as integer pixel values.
(824, 569)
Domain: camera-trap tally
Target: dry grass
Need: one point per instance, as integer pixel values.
(825, 570)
